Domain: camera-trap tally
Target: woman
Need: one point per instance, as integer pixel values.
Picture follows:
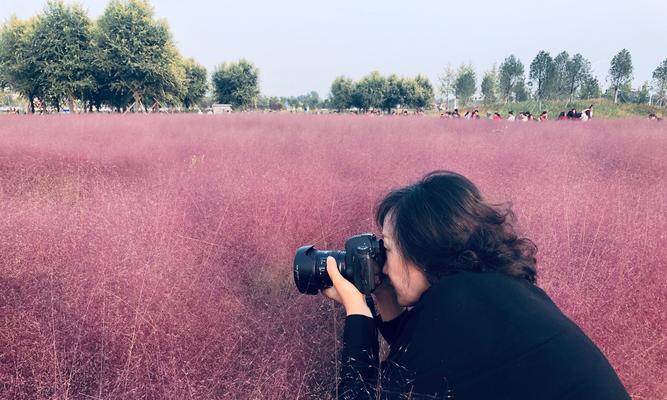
(460, 309)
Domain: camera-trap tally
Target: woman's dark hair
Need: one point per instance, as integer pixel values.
(443, 225)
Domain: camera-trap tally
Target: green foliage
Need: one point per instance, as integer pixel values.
(660, 82)
(62, 36)
(560, 86)
(489, 86)
(577, 71)
(137, 53)
(370, 92)
(196, 83)
(424, 96)
(511, 78)
(590, 88)
(342, 89)
(465, 84)
(19, 69)
(643, 94)
(236, 83)
(542, 73)
(447, 80)
(620, 71)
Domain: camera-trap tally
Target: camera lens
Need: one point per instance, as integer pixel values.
(310, 268)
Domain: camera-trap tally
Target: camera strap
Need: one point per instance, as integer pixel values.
(371, 304)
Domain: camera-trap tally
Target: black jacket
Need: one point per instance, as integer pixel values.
(476, 336)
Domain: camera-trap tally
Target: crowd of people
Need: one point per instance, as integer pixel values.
(525, 116)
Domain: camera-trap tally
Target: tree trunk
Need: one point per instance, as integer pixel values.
(137, 102)
(615, 95)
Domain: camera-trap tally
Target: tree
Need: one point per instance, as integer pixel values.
(424, 95)
(520, 91)
(64, 53)
(465, 84)
(660, 82)
(341, 92)
(137, 52)
(396, 93)
(560, 75)
(370, 91)
(542, 73)
(577, 70)
(643, 94)
(447, 80)
(511, 75)
(18, 67)
(489, 84)
(590, 88)
(620, 71)
(195, 84)
(236, 83)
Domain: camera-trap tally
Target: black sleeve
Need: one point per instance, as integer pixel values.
(359, 364)
(391, 329)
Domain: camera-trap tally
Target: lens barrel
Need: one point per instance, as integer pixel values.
(310, 268)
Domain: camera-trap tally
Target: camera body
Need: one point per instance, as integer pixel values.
(360, 263)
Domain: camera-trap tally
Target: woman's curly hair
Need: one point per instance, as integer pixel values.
(443, 225)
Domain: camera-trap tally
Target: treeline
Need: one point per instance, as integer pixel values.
(126, 59)
(563, 77)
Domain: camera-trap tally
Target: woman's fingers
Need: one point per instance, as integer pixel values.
(346, 293)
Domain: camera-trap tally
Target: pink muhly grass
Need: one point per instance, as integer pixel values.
(150, 256)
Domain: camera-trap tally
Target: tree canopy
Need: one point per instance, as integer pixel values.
(236, 83)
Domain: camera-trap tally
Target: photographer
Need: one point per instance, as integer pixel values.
(460, 310)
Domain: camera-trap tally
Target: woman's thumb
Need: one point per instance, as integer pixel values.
(332, 270)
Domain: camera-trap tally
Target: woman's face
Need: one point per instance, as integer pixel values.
(408, 280)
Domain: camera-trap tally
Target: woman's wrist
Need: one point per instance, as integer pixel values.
(358, 309)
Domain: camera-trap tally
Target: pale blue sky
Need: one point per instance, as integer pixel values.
(303, 45)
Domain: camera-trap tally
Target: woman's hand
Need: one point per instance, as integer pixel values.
(344, 292)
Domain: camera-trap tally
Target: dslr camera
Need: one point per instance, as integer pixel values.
(360, 263)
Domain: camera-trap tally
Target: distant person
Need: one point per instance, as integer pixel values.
(475, 115)
(456, 114)
(497, 117)
(510, 116)
(654, 117)
(571, 114)
(544, 116)
(561, 116)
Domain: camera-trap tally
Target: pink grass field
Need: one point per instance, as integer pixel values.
(149, 257)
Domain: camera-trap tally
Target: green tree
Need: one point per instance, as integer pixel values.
(590, 88)
(64, 52)
(577, 70)
(370, 91)
(620, 71)
(195, 84)
(520, 91)
(465, 84)
(447, 80)
(559, 89)
(643, 94)
(542, 73)
(341, 92)
(424, 95)
(489, 86)
(18, 66)
(236, 83)
(137, 52)
(510, 76)
(396, 93)
(660, 82)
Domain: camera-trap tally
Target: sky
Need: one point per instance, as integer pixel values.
(300, 45)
